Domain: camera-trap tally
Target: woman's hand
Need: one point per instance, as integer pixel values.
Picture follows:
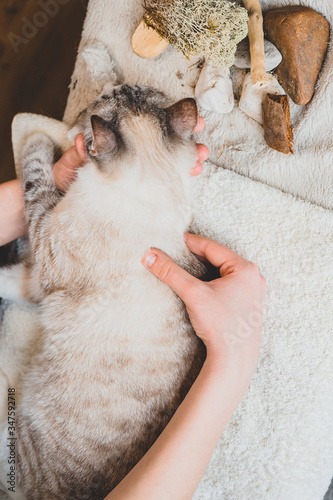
(65, 170)
(226, 313)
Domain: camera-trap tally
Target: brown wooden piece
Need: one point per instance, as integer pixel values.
(147, 43)
(277, 129)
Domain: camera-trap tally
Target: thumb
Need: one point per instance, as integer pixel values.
(165, 269)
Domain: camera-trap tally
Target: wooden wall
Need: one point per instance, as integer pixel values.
(38, 44)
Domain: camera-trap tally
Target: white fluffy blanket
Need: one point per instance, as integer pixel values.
(279, 443)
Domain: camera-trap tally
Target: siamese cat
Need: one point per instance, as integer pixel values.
(117, 352)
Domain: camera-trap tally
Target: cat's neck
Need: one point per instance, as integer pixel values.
(148, 207)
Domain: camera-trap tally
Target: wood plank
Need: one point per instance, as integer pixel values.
(38, 45)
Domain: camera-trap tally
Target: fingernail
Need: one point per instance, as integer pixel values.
(149, 259)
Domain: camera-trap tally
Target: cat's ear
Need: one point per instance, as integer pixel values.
(183, 117)
(104, 139)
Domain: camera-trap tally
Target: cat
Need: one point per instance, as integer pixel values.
(117, 354)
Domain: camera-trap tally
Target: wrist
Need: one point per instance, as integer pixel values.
(12, 223)
(233, 370)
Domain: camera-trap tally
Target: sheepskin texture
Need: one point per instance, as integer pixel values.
(236, 142)
(279, 441)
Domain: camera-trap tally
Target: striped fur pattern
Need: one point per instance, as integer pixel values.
(118, 353)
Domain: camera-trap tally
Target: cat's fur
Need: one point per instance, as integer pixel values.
(118, 353)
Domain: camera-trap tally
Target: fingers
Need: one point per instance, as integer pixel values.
(203, 153)
(12, 220)
(197, 170)
(200, 126)
(215, 253)
(80, 147)
(64, 170)
(165, 269)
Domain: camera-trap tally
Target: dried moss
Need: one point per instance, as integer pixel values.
(210, 28)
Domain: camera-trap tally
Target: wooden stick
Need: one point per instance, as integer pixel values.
(256, 39)
(147, 43)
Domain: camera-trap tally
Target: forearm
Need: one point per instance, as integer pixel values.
(12, 221)
(174, 465)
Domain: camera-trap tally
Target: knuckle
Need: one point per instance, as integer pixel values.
(194, 291)
(252, 268)
(165, 270)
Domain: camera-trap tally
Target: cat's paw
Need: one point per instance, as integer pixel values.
(38, 158)
(38, 142)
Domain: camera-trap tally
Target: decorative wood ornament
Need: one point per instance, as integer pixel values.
(256, 39)
(252, 96)
(147, 43)
(277, 128)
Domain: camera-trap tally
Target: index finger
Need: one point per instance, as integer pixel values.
(64, 170)
(216, 253)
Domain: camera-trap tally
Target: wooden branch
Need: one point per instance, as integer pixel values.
(256, 39)
(277, 129)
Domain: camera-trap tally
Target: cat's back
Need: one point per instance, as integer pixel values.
(118, 353)
(114, 368)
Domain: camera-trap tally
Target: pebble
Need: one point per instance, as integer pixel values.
(214, 89)
(301, 34)
(273, 56)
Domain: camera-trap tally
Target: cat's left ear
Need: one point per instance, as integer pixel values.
(104, 139)
(183, 117)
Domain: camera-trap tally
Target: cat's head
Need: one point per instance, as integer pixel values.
(137, 127)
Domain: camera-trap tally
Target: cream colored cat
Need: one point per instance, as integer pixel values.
(117, 354)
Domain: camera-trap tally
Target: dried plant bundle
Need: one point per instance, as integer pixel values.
(209, 28)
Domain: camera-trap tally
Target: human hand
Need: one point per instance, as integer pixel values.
(226, 313)
(65, 170)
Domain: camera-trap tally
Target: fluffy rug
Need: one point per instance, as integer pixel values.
(236, 142)
(278, 444)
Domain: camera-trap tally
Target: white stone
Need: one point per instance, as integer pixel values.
(252, 97)
(243, 60)
(214, 89)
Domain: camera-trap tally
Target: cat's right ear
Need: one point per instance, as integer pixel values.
(183, 117)
(104, 139)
